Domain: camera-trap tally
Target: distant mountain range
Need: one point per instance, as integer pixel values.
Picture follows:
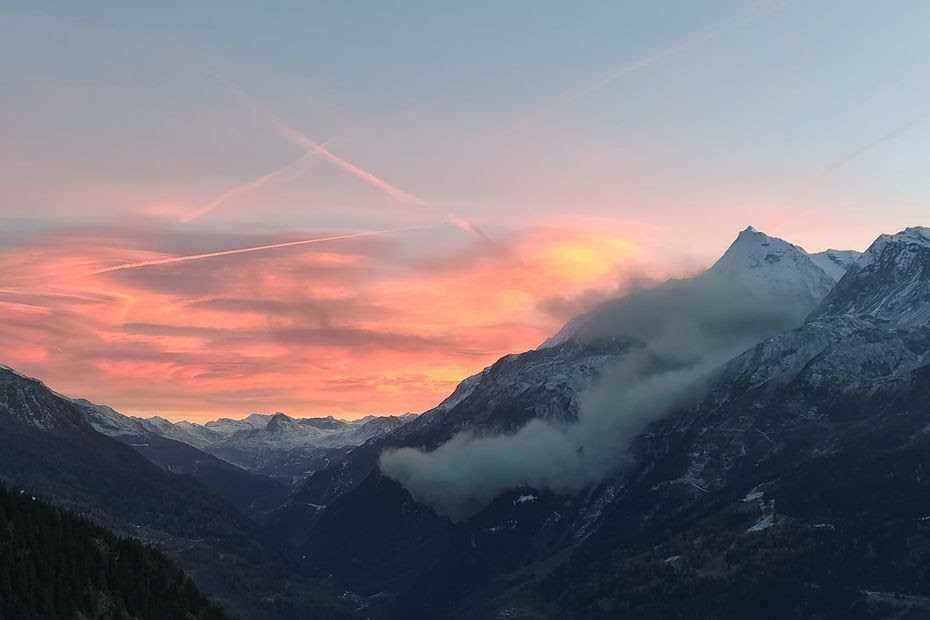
(48, 448)
(274, 445)
(750, 442)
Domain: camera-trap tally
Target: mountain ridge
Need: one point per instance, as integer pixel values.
(262, 444)
(762, 265)
(500, 400)
(48, 448)
(888, 282)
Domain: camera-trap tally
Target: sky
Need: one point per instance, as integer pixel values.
(344, 208)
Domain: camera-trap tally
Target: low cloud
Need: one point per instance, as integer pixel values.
(677, 333)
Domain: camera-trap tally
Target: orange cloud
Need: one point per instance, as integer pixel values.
(371, 324)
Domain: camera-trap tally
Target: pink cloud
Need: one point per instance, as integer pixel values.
(372, 325)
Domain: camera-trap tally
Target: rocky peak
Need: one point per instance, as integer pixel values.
(758, 260)
(891, 281)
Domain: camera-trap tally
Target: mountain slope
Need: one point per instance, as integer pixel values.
(538, 384)
(794, 486)
(264, 444)
(54, 564)
(249, 493)
(835, 262)
(797, 481)
(112, 423)
(428, 566)
(756, 270)
(48, 448)
(889, 281)
(772, 265)
(293, 448)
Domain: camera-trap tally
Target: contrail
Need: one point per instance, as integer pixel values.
(249, 187)
(312, 147)
(259, 248)
(289, 169)
(838, 163)
(731, 23)
(300, 139)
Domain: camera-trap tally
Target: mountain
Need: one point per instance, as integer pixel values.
(760, 286)
(795, 487)
(792, 486)
(789, 481)
(226, 427)
(114, 424)
(295, 447)
(48, 449)
(835, 262)
(888, 282)
(421, 564)
(263, 444)
(54, 564)
(750, 442)
(773, 265)
(761, 268)
(247, 492)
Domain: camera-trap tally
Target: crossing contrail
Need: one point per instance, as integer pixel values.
(297, 137)
(300, 139)
(289, 170)
(260, 248)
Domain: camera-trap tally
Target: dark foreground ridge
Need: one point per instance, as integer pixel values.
(55, 564)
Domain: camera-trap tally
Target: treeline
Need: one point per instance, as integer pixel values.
(55, 564)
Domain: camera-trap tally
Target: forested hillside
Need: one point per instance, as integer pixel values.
(55, 564)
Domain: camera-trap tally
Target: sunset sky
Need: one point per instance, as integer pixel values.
(467, 176)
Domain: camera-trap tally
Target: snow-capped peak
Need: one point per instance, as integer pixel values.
(835, 262)
(754, 249)
(228, 426)
(281, 423)
(30, 402)
(913, 234)
(772, 267)
(891, 281)
(754, 264)
(751, 249)
(918, 236)
(757, 258)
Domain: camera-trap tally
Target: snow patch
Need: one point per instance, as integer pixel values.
(764, 523)
(504, 527)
